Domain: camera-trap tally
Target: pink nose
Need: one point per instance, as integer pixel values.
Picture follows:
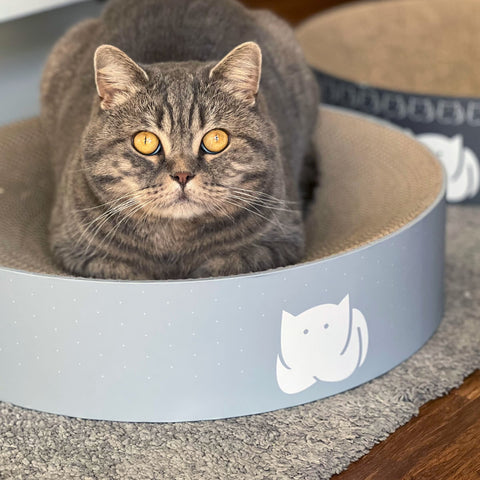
(182, 177)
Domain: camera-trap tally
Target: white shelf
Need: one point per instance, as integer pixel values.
(11, 9)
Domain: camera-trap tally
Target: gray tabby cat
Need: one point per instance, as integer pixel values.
(187, 158)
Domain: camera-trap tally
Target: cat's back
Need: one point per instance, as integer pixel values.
(181, 30)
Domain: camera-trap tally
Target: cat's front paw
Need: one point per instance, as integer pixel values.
(230, 264)
(100, 268)
(250, 259)
(214, 267)
(105, 268)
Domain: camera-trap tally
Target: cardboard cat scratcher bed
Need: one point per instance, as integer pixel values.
(368, 295)
(415, 63)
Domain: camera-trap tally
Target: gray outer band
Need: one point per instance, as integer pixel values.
(193, 350)
(455, 119)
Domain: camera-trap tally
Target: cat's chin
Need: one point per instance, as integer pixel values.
(182, 209)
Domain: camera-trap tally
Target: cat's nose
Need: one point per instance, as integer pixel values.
(182, 177)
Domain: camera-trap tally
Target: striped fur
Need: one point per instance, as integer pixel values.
(117, 213)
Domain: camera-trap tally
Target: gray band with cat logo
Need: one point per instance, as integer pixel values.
(205, 349)
(449, 126)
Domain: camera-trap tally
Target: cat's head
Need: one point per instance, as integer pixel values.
(318, 332)
(179, 140)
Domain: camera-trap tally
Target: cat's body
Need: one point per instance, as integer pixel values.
(177, 98)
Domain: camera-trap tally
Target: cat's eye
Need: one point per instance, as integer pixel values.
(147, 143)
(215, 141)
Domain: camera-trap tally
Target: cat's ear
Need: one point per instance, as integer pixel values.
(239, 72)
(287, 317)
(117, 76)
(345, 304)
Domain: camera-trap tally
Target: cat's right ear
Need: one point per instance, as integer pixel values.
(117, 76)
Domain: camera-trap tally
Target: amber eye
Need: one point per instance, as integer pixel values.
(215, 141)
(146, 143)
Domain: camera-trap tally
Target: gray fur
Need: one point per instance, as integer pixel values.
(94, 231)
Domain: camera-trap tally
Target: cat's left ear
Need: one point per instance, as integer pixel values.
(117, 76)
(239, 72)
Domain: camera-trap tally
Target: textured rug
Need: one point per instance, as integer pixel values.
(312, 441)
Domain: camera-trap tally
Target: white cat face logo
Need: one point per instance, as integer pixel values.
(325, 343)
(461, 164)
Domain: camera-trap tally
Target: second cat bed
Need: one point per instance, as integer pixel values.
(368, 295)
(413, 63)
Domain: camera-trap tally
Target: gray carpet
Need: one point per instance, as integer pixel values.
(313, 441)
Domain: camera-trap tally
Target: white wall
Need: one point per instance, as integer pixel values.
(10, 9)
(24, 46)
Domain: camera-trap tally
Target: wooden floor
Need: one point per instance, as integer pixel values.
(443, 442)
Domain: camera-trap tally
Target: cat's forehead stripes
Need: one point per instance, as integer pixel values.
(181, 117)
(168, 115)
